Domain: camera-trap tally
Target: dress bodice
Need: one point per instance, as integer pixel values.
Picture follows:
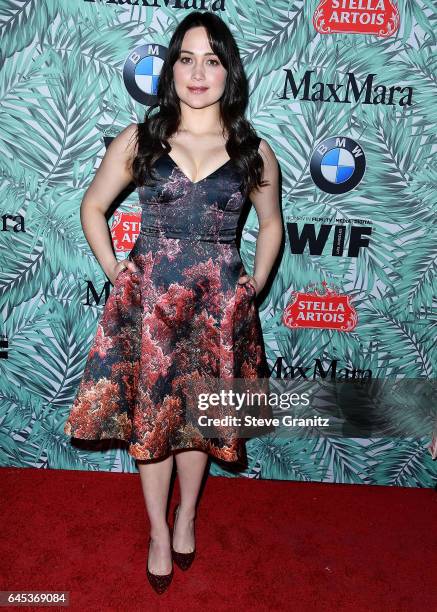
(205, 210)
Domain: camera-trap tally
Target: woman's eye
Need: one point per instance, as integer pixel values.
(215, 62)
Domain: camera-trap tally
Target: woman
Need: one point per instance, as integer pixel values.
(182, 306)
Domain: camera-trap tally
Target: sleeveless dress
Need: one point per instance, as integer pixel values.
(182, 316)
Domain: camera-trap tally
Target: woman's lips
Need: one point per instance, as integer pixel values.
(197, 89)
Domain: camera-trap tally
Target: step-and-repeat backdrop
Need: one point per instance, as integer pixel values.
(344, 92)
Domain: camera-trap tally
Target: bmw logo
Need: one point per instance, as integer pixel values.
(141, 72)
(337, 164)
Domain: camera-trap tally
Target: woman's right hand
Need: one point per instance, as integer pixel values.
(119, 267)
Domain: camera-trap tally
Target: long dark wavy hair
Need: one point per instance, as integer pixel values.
(157, 127)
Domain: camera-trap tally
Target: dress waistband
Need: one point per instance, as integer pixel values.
(190, 238)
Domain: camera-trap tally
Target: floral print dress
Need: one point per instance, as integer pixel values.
(182, 316)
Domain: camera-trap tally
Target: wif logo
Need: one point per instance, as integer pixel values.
(317, 242)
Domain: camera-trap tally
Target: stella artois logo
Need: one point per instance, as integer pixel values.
(378, 17)
(326, 310)
(125, 229)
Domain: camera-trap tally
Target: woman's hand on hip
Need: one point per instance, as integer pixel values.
(251, 280)
(124, 264)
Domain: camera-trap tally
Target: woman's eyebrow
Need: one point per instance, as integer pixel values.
(192, 53)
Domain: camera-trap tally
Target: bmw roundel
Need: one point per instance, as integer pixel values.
(337, 164)
(141, 72)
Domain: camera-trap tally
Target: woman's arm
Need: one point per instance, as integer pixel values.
(113, 175)
(266, 202)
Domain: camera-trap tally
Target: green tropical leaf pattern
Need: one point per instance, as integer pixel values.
(62, 91)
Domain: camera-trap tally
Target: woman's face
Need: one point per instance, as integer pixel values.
(198, 67)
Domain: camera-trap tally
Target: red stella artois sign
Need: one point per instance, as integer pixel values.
(327, 310)
(378, 17)
(125, 229)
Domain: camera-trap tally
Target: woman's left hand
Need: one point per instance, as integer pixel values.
(246, 278)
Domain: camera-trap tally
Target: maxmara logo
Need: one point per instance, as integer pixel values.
(12, 223)
(199, 5)
(93, 298)
(318, 371)
(367, 91)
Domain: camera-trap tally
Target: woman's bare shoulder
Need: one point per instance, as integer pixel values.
(266, 151)
(127, 140)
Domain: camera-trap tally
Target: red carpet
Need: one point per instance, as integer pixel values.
(262, 545)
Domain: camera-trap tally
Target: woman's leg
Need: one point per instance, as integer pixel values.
(155, 481)
(190, 467)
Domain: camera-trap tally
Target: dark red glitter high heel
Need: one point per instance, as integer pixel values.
(182, 560)
(160, 582)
